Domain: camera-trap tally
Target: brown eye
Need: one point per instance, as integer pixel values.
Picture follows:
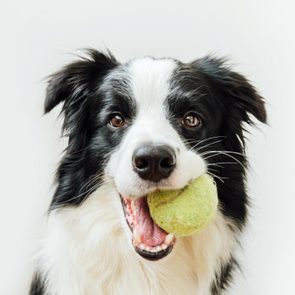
(117, 121)
(191, 120)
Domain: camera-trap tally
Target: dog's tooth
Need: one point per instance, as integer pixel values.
(164, 246)
(137, 238)
(169, 239)
(158, 248)
(141, 246)
(153, 249)
(133, 207)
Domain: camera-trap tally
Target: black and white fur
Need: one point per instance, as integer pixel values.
(87, 248)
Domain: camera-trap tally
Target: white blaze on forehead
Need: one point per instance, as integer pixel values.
(150, 81)
(150, 85)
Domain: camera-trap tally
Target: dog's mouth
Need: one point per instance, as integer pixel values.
(149, 240)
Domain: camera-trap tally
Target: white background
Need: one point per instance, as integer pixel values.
(37, 37)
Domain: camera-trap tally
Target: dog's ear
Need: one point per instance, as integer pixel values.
(72, 84)
(72, 79)
(242, 98)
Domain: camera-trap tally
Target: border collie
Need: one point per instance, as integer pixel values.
(133, 128)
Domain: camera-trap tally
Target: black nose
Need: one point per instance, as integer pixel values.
(154, 162)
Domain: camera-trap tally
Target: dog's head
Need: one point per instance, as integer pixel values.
(149, 124)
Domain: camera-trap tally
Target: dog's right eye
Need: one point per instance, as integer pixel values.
(117, 121)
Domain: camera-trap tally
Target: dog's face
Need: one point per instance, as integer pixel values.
(150, 124)
(154, 126)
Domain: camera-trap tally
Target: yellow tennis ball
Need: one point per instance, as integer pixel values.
(186, 211)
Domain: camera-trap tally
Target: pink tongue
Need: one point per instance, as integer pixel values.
(150, 234)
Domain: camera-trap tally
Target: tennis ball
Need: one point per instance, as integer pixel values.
(186, 211)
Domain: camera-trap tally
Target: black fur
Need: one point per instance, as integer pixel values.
(77, 86)
(223, 278)
(224, 99)
(37, 286)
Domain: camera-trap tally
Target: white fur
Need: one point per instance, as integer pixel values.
(88, 251)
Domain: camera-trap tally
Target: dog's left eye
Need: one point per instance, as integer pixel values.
(117, 121)
(191, 120)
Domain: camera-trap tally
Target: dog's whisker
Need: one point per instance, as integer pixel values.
(216, 165)
(218, 171)
(225, 153)
(222, 151)
(215, 176)
(206, 139)
(234, 158)
(222, 163)
(93, 187)
(211, 156)
(212, 169)
(90, 181)
(207, 145)
(198, 142)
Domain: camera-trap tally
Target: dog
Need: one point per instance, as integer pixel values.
(133, 128)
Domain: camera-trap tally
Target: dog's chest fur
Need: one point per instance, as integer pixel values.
(86, 252)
